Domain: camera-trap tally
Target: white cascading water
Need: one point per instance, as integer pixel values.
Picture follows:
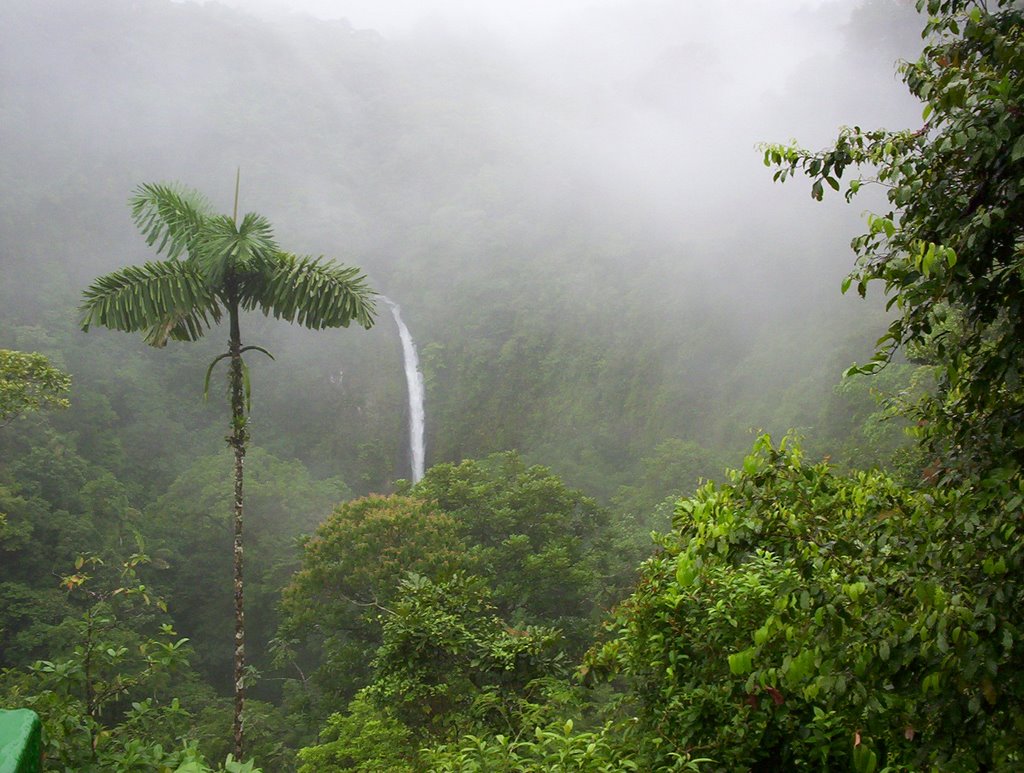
(414, 379)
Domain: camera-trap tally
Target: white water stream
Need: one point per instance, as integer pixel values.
(414, 379)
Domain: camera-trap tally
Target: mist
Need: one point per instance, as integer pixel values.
(567, 200)
(571, 188)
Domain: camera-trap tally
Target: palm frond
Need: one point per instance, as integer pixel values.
(169, 216)
(225, 247)
(315, 292)
(168, 299)
(209, 372)
(257, 249)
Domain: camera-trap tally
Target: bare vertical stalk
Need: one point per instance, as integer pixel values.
(238, 440)
(238, 180)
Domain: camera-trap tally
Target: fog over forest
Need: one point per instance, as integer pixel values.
(580, 181)
(611, 300)
(568, 203)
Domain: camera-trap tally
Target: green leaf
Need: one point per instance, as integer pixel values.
(761, 635)
(1018, 149)
(741, 662)
(864, 760)
(313, 292)
(209, 372)
(140, 298)
(170, 215)
(686, 572)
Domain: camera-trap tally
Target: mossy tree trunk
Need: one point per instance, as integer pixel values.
(238, 440)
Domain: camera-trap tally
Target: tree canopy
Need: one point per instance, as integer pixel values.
(949, 250)
(803, 617)
(797, 614)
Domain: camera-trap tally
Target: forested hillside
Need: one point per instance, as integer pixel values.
(535, 244)
(611, 300)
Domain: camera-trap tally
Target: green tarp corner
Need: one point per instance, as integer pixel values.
(20, 742)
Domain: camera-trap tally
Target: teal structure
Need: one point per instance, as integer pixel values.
(21, 739)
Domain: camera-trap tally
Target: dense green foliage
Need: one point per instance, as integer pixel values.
(518, 529)
(363, 739)
(858, 613)
(351, 570)
(448, 663)
(803, 618)
(29, 383)
(948, 250)
(528, 532)
(107, 699)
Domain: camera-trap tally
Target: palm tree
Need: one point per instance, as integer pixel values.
(216, 266)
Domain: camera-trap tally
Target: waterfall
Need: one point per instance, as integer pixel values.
(414, 380)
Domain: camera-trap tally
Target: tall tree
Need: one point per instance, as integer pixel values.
(217, 266)
(949, 249)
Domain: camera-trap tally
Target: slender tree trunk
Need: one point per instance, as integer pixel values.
(238, 440)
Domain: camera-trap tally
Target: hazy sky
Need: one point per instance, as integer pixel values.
(600, 153)
(512, 17)
(636, 97)
(397, 16)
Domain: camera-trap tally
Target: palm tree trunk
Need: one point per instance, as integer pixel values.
(237, 440)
